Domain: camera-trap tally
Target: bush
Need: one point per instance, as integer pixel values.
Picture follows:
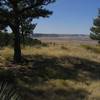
(64, 48)
(95, 49)
(8, 40)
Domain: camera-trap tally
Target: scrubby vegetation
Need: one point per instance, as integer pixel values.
(95, 49)
(57, 72)
(6, 39)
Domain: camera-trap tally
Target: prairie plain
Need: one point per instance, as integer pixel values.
(63, 69)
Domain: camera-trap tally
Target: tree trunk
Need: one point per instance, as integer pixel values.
(23, 39)
(17, 47)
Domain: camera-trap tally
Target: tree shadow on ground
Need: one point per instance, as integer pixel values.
(56, 94)
(67, 67)
(40, 69)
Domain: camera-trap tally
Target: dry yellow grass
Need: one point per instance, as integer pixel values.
(86, 87)
(58, 51)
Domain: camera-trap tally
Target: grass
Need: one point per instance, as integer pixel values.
(95, 49)
(56, 72)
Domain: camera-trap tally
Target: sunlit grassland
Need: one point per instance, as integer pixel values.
(60, 71)
(58, 50)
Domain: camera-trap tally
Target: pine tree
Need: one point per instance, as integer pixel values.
(26, 29)
(95, 35)
(13, 12)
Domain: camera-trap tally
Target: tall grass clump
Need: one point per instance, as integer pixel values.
(95, 49)
(8, 89)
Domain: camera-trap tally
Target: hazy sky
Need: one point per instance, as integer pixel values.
(70, 17)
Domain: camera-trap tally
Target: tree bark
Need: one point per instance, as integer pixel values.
(17, 47)
(23, 39)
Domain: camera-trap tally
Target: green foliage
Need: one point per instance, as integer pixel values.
(95, 35)
(8, 91)
(19, 15)
(7, 40)
(13, 12)
(31, 42)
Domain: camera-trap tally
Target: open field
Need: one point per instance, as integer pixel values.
(68, 39)
(65, 70)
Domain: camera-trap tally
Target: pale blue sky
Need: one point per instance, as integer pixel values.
(69, 17)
